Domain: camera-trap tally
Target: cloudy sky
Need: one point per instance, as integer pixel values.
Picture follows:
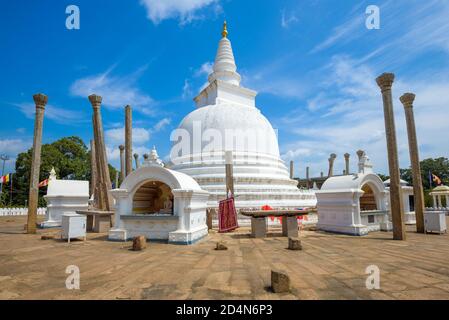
(314, 64)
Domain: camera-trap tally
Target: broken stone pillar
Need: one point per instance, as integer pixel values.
(104, 180)
(307, 177)
(229, 173)
(136, 158)
(40, 101)
(407, 100)
(128, 140)
(280, 281)
(291, 169)
(331, 159)
(93, 168)
(139, 243)
(294, 243)
(122, 162)
(385, 82)
(347, 155)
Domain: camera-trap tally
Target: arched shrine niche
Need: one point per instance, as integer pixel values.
(153, 197)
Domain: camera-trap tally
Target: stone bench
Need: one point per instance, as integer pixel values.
(97, 221)
(289, 221)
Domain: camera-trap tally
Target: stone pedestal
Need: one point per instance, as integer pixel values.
(258, 227)
(290, 226)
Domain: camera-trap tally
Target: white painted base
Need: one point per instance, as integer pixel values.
(117, 235)
(355, 230)
(409, 218)
(386, 226)
(50, 224)
(187, 237)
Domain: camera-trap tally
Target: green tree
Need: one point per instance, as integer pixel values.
(70, 158)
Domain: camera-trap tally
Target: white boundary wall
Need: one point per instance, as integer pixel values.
(20, 211)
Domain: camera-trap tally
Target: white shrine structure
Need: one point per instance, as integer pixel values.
(437, 194)
(64, 196)
(160, 204)
(227, 119)
(407, 201)
(353, 204)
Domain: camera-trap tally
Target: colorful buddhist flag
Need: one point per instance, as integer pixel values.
(5, 179)
(43, 183)
(436, 179)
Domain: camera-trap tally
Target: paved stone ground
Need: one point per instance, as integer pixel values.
(329, 267)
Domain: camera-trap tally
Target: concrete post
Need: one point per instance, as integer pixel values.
(105, 201)
(385, 82)
(407, 100)
(229, 173)
(122, 162)
(291, 169)
(128, 140)
(347, 155)
(40, 101)
(136, 158)
(331, 159)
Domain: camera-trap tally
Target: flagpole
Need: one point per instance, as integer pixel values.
(10, 190)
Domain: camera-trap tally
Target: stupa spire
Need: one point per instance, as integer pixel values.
(225, 68)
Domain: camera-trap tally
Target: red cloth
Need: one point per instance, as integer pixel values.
(227, 216)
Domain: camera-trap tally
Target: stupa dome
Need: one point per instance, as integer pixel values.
(227, 119)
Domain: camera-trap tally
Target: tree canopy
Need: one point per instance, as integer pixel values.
(70, 158)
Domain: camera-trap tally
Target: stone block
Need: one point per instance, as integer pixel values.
(221, 246)
(280, 281)
(139, 243)
(47, 237)
(294, 243)
(258, 227)
(289, 226)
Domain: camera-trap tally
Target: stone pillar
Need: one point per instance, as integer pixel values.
(104, 180)
(407, 100)
(145, 156)
(435, 205)
(136, 158)
(347, 155)
(93, 168)
(291, 169)
(128, 140)
(385, 82)
(229, 173)
(307, 177)
(116, 180)
(447, 201)
(331, 159)
(122, 162)
(322, 174)
(40, 101)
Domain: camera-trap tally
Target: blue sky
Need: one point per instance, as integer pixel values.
(314, 64)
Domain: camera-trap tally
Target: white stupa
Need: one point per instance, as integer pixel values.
(227, 119)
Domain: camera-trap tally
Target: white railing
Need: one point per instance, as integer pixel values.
(20, 211)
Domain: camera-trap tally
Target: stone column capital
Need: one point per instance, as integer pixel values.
(95, 100)
(347, 155)
(385, 81)
(407, 99)
(136, 156)
(121, 147)
(40, 100)
(332, 157)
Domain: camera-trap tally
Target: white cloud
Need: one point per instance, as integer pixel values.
(117, 91)
(205, 69)
(185, 10)
(117, 136)
(288, 19)
(56, 114)
(11, 148)
(161, 124)
(356, 121)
